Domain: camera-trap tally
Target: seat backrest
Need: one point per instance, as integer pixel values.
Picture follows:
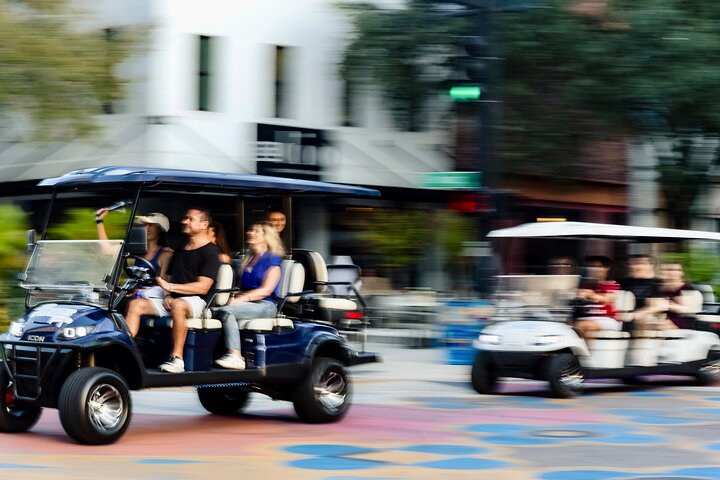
(624, 305)
(348, 274)
(223, 281)
(693, 299)
(706, 291)
(315, 269)
(292, 280)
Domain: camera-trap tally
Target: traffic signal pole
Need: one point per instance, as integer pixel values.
(488, 104)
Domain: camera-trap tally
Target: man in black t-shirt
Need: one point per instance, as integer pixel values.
(191, 274)
(645, 286)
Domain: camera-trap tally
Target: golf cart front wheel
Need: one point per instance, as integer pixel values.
(565, 375)
(94, 406)
(483, 376)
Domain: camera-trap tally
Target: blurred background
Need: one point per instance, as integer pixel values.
(468, 115)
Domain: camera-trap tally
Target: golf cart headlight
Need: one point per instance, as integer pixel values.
(76, 332)
(547, 339)
(17, 328)
(490, 338)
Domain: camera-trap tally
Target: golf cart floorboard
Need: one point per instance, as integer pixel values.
(688, 368)
(154, 378)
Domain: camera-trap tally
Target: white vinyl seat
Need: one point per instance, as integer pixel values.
(694, 300)
(223, 281)
(624, 304)
(343, 276)
(292, 279)
(318, 281)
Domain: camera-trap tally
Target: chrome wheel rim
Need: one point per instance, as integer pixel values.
(332, 390)
(105, 407)
(572, 377)
(711, 368)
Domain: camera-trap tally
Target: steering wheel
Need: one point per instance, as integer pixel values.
(142, 270)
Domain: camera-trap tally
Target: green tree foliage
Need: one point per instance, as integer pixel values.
(700, 266)
(79, 224)
(403, 52)
(635, 67)
(12, 259)
(574, 71)
(55, 72)
(400, 240)
(397, 237)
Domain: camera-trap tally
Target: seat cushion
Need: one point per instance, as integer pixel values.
(608, 335)
(265, 324)
(192, 323)
(336, 303)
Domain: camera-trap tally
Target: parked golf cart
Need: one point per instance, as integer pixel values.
(71, 350)
(533, 335)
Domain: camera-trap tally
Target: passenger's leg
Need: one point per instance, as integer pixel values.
(230, 329)
(180, 311)
(586, 326)
(231, 314)
(137, 308)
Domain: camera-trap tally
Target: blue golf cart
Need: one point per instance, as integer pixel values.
(72, 350)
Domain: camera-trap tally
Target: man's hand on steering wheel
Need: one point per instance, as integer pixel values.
(142, 270)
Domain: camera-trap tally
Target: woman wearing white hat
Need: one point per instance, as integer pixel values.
(156, 224)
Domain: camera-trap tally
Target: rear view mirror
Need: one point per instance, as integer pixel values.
(137, 241)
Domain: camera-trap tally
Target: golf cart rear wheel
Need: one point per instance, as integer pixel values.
(94, 406)
(709, 372)
(224, 400)
(14, 416)
(565, 375)
(324, 395)
(483, 377)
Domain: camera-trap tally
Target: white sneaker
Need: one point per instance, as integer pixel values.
(173, 365)
(231, 361)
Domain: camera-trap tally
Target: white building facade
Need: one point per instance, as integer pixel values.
(217, 75)
(248, 86)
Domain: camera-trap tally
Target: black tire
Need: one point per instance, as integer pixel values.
(223, 400)
(709, 372)
(324, 396)
(95, 406)
(482, 376)
(634, 381)
(14, 415)
(565, 375)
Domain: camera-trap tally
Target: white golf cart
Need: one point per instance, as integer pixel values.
(533, 336)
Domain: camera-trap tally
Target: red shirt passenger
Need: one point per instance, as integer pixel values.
(599, 293)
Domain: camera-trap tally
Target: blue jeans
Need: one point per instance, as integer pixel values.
(243, 311)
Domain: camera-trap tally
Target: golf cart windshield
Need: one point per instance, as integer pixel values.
(535, 296)
(72, 270)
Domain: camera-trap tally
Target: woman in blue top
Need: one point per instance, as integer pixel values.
(258, 278)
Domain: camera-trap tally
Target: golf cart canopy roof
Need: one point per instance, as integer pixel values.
(175, 177)
(600, 230)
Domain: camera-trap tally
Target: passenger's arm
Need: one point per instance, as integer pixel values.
(200, 287)
(593, 296)
(164, 262)
(272, 278)
(680, 304)
(99, 218)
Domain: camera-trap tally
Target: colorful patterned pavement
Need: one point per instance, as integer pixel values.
(414, 418)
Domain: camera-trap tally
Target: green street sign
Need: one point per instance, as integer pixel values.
(450, 180)
(465, 93)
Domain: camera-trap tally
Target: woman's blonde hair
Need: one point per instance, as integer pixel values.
(275, 245)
